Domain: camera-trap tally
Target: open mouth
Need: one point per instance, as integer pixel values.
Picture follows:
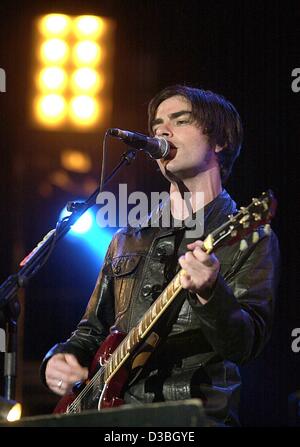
(172, 152)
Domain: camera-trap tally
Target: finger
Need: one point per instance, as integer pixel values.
(182, 262)
(67, 380)
(66, 373)
(60, 389)
(195, 244)
(190, 263)
(56, 377)
(189, 271)
(63, 384)
(196, 253)
(205, 259)
(70, 363)
(75, 365)
(189, 257)
(199, 274)
(58, 386)
(59, 369)
(71, 360)
(185, 280)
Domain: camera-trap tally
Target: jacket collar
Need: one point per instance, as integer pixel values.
(216, 212)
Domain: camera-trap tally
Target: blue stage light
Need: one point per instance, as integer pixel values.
(87, 231)
(84, 223)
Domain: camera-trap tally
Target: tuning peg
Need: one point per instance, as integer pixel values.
(255, 237)
(245, 221)
(257, 216)
(267, 229)
(233, 233)
(243, 245)
(265, 205)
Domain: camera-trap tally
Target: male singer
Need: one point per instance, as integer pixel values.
(224, 313)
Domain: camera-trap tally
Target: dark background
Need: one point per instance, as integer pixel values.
(243, 50)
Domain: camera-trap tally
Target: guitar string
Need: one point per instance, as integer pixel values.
(100, 373)
(85, 391)
(75, 404)
(97, 376)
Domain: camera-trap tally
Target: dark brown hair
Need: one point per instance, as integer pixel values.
(217, 117)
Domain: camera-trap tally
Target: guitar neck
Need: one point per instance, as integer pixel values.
(139, 332)
(155, 311)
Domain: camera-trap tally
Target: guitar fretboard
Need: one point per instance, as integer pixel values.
(139, 332)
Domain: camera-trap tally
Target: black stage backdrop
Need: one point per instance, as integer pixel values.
(243, 50)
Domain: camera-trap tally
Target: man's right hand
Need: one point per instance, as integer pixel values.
(62, 372)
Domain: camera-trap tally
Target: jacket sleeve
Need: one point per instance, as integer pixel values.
(237, 318)
(95, 323)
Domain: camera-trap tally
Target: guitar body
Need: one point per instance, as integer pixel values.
(109, 395)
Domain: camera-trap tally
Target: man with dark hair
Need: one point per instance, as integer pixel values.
(216, 116)
(223, 315)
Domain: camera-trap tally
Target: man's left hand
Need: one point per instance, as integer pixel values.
(200, 270)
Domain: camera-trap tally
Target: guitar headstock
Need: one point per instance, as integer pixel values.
(260, 212)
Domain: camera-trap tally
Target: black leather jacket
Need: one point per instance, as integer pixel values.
(206, 342)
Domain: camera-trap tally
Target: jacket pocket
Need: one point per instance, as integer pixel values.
(124, 265)
(124, 270)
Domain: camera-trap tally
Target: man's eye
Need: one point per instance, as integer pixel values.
(180, 122)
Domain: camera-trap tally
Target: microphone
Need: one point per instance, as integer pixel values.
(156, 147)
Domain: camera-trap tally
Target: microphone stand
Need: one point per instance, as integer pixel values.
(9, 303)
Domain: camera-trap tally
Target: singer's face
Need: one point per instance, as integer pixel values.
(190, 151)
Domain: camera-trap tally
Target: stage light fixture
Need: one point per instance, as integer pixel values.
(86, 80)
(73, 65)
(10, 410)
(90, 27)
(53, 79)
(76, 161)
(84, 110)
(55, 25)
(54, 51)
(51, 109)
(82, 225)
(86, 53)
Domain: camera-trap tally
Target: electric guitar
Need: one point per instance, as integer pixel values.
(120, 355)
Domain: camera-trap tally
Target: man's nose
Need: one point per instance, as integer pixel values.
(164, 131)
